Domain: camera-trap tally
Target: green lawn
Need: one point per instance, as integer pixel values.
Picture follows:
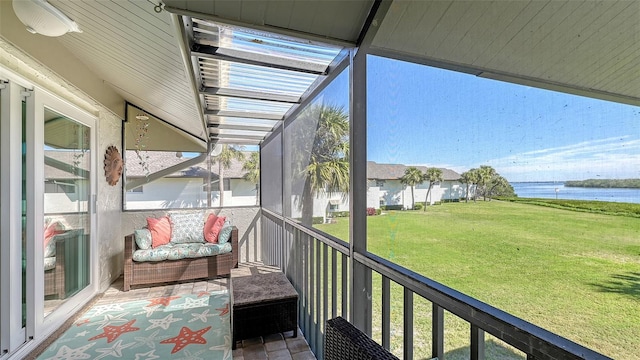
(574, 273)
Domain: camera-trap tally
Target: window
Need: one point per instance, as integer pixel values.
(379, 183)
(169, 169)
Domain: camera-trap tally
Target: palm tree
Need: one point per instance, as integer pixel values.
(412, 177)
(469, 177)
(252, 167)
(321, 156)
(432, 175)
(224, 160)
(485, 174)
(500, 187)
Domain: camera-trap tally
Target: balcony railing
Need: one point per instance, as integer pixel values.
(318, 266)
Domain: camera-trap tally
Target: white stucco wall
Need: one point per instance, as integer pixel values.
(392, 192)
(109, 205)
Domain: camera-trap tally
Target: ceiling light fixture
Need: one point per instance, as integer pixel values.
(40, 17)
(142, 117)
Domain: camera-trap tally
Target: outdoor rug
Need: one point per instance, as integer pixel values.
(193, 326)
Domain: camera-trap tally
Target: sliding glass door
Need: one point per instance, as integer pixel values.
(67, 222)
(13, 254)
(47, 213)
(63, 173)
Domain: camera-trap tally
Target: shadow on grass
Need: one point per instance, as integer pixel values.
(492, 349)
(625, 284)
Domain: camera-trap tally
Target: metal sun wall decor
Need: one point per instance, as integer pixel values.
(113, 165)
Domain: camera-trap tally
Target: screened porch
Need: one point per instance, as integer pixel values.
(263, 112)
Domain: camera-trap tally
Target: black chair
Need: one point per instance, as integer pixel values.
(344, 341)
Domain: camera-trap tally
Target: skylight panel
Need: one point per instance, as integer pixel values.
(262, 43)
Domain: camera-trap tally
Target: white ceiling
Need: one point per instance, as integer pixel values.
(586, 47)
(135, 50)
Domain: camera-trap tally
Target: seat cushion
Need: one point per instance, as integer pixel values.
(49, 263)
(180, 251)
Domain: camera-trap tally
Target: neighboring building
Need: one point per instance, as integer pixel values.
(186, 187)
(385, 188)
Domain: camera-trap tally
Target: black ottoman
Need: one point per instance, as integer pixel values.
(262, 304)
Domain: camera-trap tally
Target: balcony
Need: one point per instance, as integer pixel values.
(190, 77)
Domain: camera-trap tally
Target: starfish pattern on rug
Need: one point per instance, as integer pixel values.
(115, 350)
(189, 356)
(202, 317)
(112, 332)
(165, 300)
(225, 347)
(102, 335)
(191, 303)
(149, 310)
(110, 319)
(149, 355)
(101, 309)
(186, 337)
(164, 323)
(224, 310)
(150, 340)
(66, 352)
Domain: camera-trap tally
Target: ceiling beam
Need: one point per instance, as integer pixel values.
(244, 114)
(239, 142)
(247, 94)
(240, 127)
(187, 61)
(234, 136)
(211, 52)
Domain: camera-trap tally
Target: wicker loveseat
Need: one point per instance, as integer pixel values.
(198, 262)
(342, 340)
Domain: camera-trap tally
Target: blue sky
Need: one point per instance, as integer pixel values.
(418, 115)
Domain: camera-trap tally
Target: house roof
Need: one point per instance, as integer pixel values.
(396, 171)
(159, 160)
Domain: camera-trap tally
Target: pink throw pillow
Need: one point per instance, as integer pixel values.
(52, 230)
(160, 229)
(208, 226)
(212, 228)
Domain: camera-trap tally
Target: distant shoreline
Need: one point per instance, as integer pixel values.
(605, 183)
(591, 183)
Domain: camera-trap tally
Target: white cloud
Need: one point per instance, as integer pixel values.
(607, 158)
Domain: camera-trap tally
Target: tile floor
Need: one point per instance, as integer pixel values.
(276, 346)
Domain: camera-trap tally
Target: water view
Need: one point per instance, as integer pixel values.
(553, 190)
